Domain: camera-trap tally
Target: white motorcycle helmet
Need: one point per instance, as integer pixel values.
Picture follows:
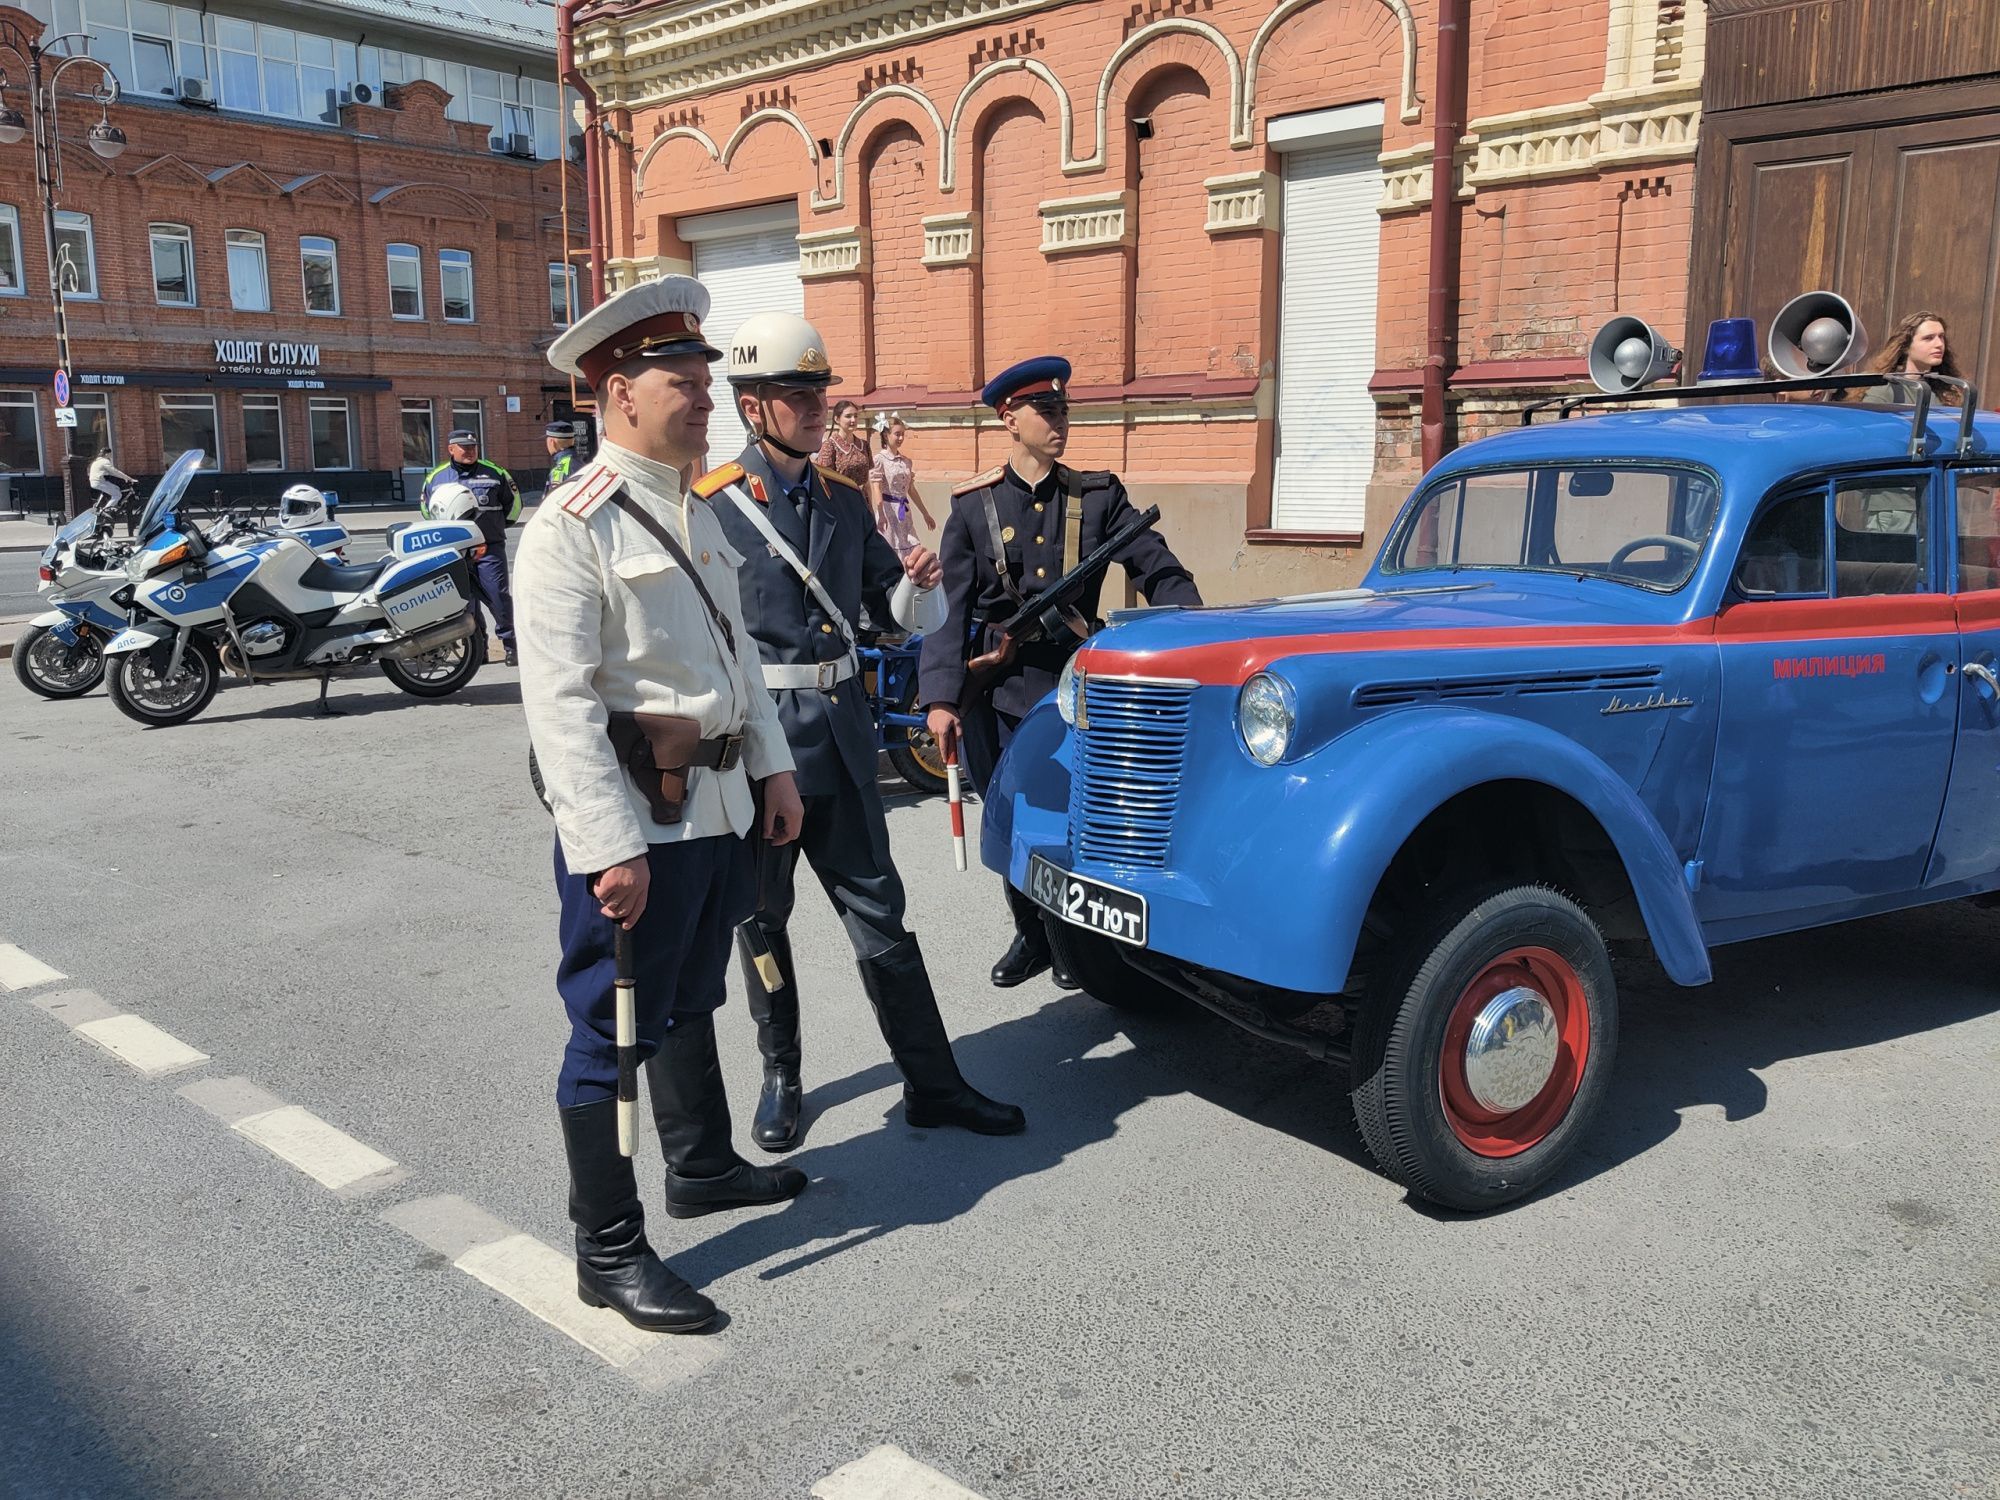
(451, 502)
(302, 505)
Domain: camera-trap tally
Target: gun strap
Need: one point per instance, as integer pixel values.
(999, 542)
(754, 514)
(678, 553)
(1072, 520)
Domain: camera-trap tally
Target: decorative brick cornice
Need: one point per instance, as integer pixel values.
(1097, 222)
(1605, 133)
(833, 252)
(623, 271)
(951, 239)
(1240, 201)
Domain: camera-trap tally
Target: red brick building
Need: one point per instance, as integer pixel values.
(313, 259)
(1218, 209)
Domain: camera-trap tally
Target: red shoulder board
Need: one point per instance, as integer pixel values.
(980, 481)
(587, 490)
(712, 483)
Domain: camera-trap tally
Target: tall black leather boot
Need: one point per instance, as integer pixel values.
(704, 1173)
(1028, 955)
(934, 1092)
(615, 1267)
(776, 1012)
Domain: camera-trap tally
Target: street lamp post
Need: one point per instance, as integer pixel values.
(105, 140)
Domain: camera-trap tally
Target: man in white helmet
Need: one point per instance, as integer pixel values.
(649, 725)
(813, 559)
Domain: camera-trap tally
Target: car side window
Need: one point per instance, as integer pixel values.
(1978, 531)
(1784, 556)
(1879, 536)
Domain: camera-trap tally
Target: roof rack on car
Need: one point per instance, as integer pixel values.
(1916, 387)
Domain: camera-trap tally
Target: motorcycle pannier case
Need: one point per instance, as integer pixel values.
(421, 593)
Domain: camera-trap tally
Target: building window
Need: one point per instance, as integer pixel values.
(263, 434)
(249, 275)
(189, 422)
(332, 437)
(455, 283)
(76, 257)
(10, 251)
(419, 435)
(20, 433)
(472, 417)
(563, 303)
(93, 424)
(153, 50)
(406, 282)
(237, 45)
(173, 265)
(319, 265)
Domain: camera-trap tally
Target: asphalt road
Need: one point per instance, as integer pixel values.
(18, 596)
(1774, 1272)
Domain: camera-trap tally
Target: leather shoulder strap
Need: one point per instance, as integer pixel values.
(998, 540)
(678, 553)
(757, 517)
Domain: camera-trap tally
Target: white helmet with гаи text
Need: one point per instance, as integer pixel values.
(777, 348)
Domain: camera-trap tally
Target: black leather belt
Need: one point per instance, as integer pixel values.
(720, 753)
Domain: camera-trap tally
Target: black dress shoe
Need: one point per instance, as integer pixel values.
(1024, 959)
(742, 1186)
(513, 657)
(968, 1109)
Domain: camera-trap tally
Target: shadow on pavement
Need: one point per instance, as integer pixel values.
(1068, 1067)
(358, 697)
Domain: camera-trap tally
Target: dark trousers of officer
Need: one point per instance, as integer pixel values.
(701, 889)
(984, 732)
(845, 839)
(489, 574)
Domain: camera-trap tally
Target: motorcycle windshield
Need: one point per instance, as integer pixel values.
(83, 526)
(167, 493)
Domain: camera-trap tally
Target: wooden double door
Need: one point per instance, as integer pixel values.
(1892, 201)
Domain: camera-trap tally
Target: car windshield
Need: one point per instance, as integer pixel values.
(1639, 524)
(167, 493)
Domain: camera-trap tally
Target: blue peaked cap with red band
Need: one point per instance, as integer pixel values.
(1031, 377)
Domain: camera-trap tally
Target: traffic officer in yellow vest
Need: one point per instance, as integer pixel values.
(1013, 531)
(813, 559)
(632, 638)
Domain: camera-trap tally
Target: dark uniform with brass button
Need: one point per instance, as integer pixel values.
(1005, 539)
(805, 581)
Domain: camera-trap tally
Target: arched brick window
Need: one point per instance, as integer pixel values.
(897, 193)
(1173, 125)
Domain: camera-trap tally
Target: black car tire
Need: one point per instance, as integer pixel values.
(1410, 1086)
(1093, 962)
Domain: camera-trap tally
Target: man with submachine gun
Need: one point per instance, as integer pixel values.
(1024, 552)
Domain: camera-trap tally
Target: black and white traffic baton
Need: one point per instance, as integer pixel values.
(624, 986)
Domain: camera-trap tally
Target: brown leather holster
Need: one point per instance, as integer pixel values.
(659, 750)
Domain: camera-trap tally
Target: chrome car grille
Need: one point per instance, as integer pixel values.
(1130, 744)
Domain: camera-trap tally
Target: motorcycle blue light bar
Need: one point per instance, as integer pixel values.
(1731, 353)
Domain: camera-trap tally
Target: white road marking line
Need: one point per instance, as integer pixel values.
(543, 1281)
(888, 1473)
(73, 1007)
(332, 1158)
(134, 1040)
(21, 971)
(230, 1099)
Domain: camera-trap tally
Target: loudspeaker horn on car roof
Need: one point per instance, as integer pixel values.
(1627, 355)
(1817, 333)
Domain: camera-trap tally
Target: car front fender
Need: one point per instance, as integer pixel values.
(1272, 868)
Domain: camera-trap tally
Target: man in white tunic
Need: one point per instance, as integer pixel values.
(649, 735)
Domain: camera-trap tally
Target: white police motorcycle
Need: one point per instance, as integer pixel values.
(261, 604)
(60, 653)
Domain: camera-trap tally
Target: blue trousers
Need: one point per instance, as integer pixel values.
(701, 889)
(489, 573)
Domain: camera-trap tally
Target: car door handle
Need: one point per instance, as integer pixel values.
(1982, 675)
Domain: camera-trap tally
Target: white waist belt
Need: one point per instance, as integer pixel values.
(800, 677)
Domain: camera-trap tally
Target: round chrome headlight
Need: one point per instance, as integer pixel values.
(1066, 692)
(1265, 717)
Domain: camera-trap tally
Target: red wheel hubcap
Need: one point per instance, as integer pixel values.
(1487, 1131)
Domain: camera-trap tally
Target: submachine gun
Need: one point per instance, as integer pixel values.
(1046, 614)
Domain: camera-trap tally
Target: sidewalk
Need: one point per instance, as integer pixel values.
(34, 534)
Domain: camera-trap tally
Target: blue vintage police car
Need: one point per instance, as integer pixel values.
(1681, 676)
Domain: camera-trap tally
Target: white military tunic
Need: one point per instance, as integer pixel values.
(603, 622)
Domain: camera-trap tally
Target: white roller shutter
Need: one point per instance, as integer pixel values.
(749, 261)
(1326, 336)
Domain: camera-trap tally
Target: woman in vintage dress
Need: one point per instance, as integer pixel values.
(898, 487)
